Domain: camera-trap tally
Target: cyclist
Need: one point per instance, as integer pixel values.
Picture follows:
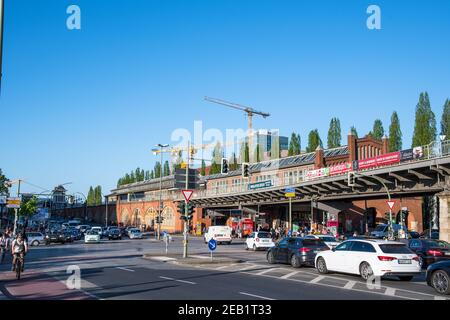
(4, 245)
(19, 248)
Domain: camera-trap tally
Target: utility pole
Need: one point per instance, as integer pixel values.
(16, 211)
(186, 226)
(106, 213)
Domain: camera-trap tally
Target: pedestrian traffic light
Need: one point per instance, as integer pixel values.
(224, 166)
(245, 170)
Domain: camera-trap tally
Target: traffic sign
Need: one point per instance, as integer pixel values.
(187, 194)
(212, 244)
(13, 203)
(390, 204)
(289, 192)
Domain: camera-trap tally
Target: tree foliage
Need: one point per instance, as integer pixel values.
(334, 134)
(313, 141)
(3, 188)
(425, 122)
(445, 119)
(378, 130)
(28, 207)
(395, 134)
(354, 132)
(294, 145)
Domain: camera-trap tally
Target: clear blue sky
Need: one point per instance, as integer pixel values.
(87, 106)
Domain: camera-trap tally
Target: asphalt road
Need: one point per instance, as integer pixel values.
(117, 270)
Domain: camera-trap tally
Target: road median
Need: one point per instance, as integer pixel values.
(193, 259)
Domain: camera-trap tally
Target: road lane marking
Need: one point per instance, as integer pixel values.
(349, 285)
(172, 279)
(286, 276)
(265, 271)
(317, 279)
(126, 269)
(390, 291)
(439, 298)
(223, 267)
(255, 296)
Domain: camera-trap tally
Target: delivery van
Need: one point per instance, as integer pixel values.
(222, 234)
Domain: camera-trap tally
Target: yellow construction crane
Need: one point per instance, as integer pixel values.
(249, 111)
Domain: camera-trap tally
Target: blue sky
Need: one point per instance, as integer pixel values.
(87, 105)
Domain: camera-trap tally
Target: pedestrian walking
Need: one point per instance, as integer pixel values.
(4, 246)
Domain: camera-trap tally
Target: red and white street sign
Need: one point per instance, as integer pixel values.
(390, 204)
(187, 194)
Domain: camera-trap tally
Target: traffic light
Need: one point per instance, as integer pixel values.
(224, 166)
(190, 211)
(245, 170)
(181, 207)
(159, 219)
(351, 179)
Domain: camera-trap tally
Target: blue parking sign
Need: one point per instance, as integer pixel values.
(212, 244)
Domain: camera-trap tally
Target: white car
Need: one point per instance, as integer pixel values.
(259, 240)
(92, 237)
(35, 238)
(135, 234)
(330, 241)
(219, 233)
(99, 230)
(370, 258)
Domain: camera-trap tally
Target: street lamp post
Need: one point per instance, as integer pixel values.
(160, 206)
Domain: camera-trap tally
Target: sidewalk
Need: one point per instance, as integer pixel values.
(36, 286)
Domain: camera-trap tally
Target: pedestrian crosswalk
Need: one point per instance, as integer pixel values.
(310, 276)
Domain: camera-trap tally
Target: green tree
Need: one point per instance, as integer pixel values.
(233, 162)
(378, 130)
(275, 148)
(98, 195)
(91, 197)
(258, 153)
(425, 122)
(217, 156)
(203, 169)
(157, 169)
(147, 175)
(3, 188)
(28, 207)
(245, 154)
(354, 132)
(395, 134)
(294, 145)
(166, 169)
(334, 133)
(445, 120)
(152, 175)
(313, 141)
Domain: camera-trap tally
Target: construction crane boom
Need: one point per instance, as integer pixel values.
(250, 112)
(238, 106)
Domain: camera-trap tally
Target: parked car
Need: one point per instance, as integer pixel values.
(76, 234)
(99, 230)
(83, 228)
(55, 237)
(114, 234)
(92, 236)
(296, 251)
(135, 233)
(370, 258)
(259, 240)
(35, 238)
(430, 251)
(427, 235)
(219, 233)
(381, 230)
(69, 237)
(438, 276)
(413, 234)
(127, 230)
(330, 241)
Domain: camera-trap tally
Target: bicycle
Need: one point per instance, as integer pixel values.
(18, 265)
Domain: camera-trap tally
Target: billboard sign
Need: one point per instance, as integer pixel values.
(260, 185)
(385, 159)
(341, 168)
(318, 173)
